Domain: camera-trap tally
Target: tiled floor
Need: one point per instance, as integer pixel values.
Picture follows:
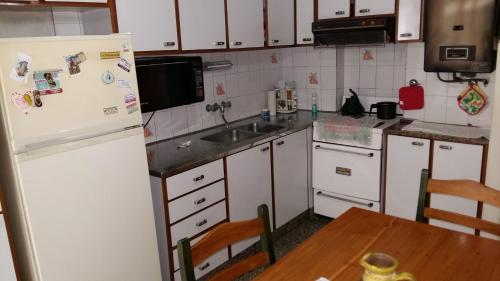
(287, 238)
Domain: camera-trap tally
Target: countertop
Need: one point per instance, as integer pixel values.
(165, 159)
(462, 133)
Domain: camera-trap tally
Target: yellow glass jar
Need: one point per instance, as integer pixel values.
(382, 267)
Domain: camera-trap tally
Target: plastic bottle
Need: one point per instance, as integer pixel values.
(314, 104)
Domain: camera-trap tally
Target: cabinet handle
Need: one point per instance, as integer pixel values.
(345, 151)
(168, 44)
(339, 13)
(275, 41)
(369, 205)
(219, 43)
(364, 11)
(406, 34)
(306, 39)
(205, 266)
(417, 143)
(280, 143)
(199, 178)
(200, 201)
(264, 149)
(446, 147)
(237, 43)
(201, 223)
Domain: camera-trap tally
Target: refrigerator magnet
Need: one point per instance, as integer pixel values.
(19, 101)
(20, 70)
(110, 55)
(125, 47)
(123, 84)
(73, 62)
(124, 64)
(110, 110)
(130, 98)
(47, 82)
(37, 99)
(131, 108)
(108, 77)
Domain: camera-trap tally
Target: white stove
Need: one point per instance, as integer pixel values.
(347, 163)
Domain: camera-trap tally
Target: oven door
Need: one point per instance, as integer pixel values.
(346, 170)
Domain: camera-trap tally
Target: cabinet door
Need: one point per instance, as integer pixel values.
(455, 161)
(152, 23)
(249, 185)
(245, 23)
(203, 24)
(409, 19)
(281, 22)
(7, 272)
(305, 17)
(290, 176)
(406, 158)
(331, 9)
(370, 7)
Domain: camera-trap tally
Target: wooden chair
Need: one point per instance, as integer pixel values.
(461, 188)
(223, 236)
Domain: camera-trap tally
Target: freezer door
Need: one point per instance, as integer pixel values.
(87, 104)
(89, 212)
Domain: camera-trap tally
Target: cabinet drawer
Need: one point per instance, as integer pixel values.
(198, 223)
(333, 205)
(196, 201)
(347, 170)
(206, 266)
(212, 259)
(195, 178)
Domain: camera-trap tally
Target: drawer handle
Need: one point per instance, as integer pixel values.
(364, 11)
(197, 179)
(306, 39)
(406, 34)
(219, 43)
(369, 205)
(205, 266)
(200, 201)
(417, 143)
(280, 143)
(237, 43)
(275, 41)
(168, 44)
(370, 155)
(339, 13)
(264, 149)
(343, 171)
(446, 147)
(201, 223)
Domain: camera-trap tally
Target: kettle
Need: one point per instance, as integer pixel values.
(352, 106)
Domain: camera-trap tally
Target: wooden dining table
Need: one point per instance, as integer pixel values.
(428, 252)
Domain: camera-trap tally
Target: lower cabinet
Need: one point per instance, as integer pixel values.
(290, 176)
(249, 185)
(7, 272)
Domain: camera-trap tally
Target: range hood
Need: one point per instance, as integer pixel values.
(353, 32)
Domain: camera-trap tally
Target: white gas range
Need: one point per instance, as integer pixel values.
(347, 163)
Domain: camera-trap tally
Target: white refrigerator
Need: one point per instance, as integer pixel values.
(73, 160)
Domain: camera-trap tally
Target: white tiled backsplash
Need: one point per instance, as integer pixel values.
(376, 73)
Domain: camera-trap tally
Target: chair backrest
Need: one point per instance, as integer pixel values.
(222, 236)
(461, 188)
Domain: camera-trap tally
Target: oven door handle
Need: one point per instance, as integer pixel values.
(345, 151)
(369, 205)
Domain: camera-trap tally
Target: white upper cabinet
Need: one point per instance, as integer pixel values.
(152, 23)
(409, 20)
(371, 7)
(455, 161)
(245, 23)
(281, 22)
(203, 24)
(406, 158)
(330, 9)
(305, 17)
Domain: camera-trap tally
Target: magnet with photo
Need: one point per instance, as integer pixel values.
(73, 62)
(21, 68)
(124, 64)
(47, 82)
(19, 101)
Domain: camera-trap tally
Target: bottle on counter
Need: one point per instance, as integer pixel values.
(314, 104)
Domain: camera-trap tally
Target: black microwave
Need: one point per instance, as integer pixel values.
(166, 82)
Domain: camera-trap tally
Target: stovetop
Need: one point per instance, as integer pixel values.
(368, 122)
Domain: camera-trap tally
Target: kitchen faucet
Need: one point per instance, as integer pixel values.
(222, 107)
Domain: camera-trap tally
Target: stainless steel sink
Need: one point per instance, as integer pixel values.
(231, 136)
(260, 128)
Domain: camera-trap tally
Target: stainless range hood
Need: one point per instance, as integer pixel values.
(353, 32)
